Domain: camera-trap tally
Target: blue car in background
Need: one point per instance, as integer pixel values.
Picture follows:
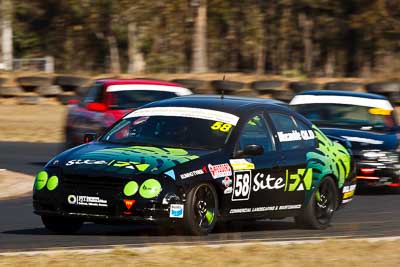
(368, 121)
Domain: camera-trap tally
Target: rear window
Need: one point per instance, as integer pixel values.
(347, 116)
(136, 98)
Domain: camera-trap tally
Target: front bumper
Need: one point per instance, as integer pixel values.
(95, 204)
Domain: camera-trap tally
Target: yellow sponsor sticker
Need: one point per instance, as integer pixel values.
(380, 111)
(241, 164)
(348, 194)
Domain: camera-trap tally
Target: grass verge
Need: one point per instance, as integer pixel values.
(329, 253)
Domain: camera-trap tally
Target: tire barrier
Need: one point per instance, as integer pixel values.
(10, 91)
(70, 83)
(283, 95)
(344, 86)
(49, 91)
(226, 86)
(68, 87)
(303, 86)
(383, 87)
(266, 85)
(194, 85)
(30, 83)
(29, 100)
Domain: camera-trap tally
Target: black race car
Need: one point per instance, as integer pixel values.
(367, 121)
(196, 160)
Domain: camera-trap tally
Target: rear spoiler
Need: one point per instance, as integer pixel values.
(343, 141)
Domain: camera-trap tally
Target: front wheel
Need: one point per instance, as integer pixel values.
(200, 215)
(320, 208)
(61, 225)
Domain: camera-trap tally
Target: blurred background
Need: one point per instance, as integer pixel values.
(51, 50)
(323, 38)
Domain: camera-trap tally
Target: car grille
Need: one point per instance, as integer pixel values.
(98, 182)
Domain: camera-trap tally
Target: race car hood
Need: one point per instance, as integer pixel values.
(365, 140)
(111, 160)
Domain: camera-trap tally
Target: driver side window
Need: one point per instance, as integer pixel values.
(256, 132)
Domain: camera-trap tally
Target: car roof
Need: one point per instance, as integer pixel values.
(342, 93)
(109, 82)
(230, 104)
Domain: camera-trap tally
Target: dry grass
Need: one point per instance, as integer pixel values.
(36, 123)
(331, 253)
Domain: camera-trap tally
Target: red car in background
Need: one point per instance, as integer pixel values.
(109, 100)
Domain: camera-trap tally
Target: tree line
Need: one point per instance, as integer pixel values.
(310, 37)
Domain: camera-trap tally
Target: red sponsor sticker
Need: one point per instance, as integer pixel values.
(220, 170)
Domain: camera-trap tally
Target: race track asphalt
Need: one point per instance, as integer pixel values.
(374, 213)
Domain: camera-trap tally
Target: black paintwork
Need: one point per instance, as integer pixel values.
(108, 182)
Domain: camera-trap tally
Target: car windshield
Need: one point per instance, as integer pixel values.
(347, 116)
(135, 98)
(184, 130)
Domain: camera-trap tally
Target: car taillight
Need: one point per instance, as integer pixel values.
(367, 171)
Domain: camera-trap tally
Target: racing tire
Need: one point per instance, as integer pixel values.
(344, 86)
(303, 86)
(320, 208)
(61, 225)
(263, 85)
(282, 95)
(195, 85)
(10, 91)
(49, 91)
(31, 83)
(200, 212)
(70, 83)
(394, 98)
(383, 87)
(3, 80)
(228, 86)
(29, 100)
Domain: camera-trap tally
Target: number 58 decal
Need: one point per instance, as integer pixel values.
(241, 185)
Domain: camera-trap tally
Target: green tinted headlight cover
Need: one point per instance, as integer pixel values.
(52, 183)
(131, 188)
(41, 180)
(150, 188)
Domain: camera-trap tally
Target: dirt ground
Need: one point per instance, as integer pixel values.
(32, 123)
(330, 253)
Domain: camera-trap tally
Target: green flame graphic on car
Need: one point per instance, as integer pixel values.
(329, 158)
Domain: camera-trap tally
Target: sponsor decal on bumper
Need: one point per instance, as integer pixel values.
(86, 201)
(176, 211)
(348, 193)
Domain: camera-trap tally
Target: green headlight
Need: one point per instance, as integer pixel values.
(150, 188)
(52, 183)
(131, 188)
(41, 180)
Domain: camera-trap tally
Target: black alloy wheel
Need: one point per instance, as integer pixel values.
(201, 210)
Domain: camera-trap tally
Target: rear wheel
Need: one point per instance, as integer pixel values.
(319, 210)
(61, 225)
(201, 208)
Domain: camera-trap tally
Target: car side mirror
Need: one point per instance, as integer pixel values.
(250, 150)
(89, 137)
